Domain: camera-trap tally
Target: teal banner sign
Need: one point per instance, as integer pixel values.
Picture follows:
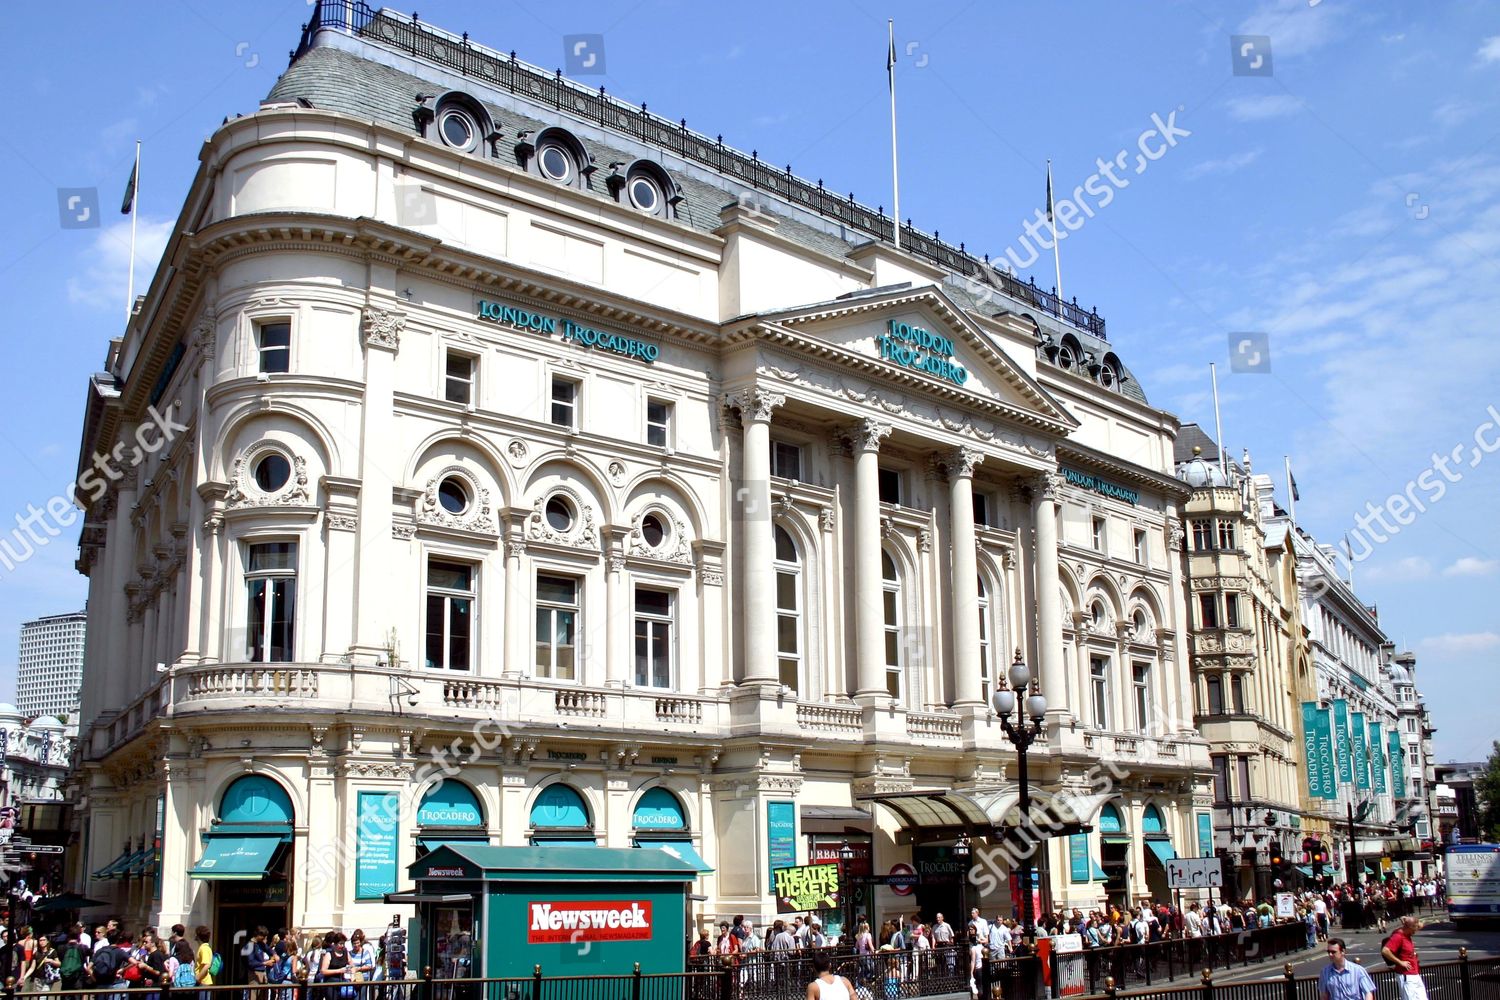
(1361, 752)
(1078, 858)
(1326, 770)
(1205, 835)
(375, 844)
(913, 347)
(1341, 741)
(781, 837)
(1398, 765)
(1311, 750)
(524, 319)
(1377, 758)
(1089, 481)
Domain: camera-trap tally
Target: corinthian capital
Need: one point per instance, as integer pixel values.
(1047, 486)
(867, 434)
(383, 327)
(754, 403)
(960, 462)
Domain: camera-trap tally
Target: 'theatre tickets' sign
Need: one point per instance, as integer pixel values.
(575, 921)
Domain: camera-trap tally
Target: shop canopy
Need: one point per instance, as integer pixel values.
(1096, 873)
(1162, 848)
(682, 850)
(1306, 870)
(557, 864)
(443, 840)
(115, 867)
(240, 851)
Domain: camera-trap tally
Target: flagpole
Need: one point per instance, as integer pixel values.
(1291, 490)
(1213, 374)
(134, 214)
(1056, 252)
(890, 69)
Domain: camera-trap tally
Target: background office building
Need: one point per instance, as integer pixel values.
(49, 671)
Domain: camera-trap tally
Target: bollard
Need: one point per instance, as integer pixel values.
(1208, 984)
(1109, 986)
(1463, 972)
(1291, 981)
(635, 983)
(425, 990)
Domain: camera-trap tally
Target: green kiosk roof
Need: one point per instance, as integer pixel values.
(484, 862)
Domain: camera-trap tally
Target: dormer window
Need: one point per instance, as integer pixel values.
(461, 122)
(645, 187)
(557, 155)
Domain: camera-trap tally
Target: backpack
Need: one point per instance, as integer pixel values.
(1389, 963)
(215, 965)
(72, 961)
(106, 965)
(184, 977)
(281, 971)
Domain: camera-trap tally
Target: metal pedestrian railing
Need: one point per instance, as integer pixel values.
(1464, 979)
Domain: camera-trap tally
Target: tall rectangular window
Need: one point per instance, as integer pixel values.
(450, 614)
(1226, 534)
(1141, 678)
(789, 617)
(274, 343)
(1237, 693)
(891, 609)
(564, 402)
(1231, 610)
(458, 377)
(658, 423)
(1142, 553)
(1099, 682)
(1243, 764)
(890, 486)
(1221, 778)
(1100, 535)
(557, 614)
(1208, 610)
(981, 510)
(271, 609)
(786, 460)
(1203, 536)
(986, 651)
(653, 638)
(1215, 686)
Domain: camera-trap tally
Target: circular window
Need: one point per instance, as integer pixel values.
(457, 128)
(453, 495)
(559, 514)
(272, 472)
(653, 530)
(1107, 377)
(555, 163)
(645, 193)
(1065, 357)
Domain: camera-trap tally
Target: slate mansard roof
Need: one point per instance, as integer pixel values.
(372, 74)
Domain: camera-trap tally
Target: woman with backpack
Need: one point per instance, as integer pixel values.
(336, 968)
(181, 967)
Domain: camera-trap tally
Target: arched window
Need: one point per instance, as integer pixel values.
(1140, 624)
(560, 817)
(890, 580)
(251, 839)
(449, 813)
(659, 809)
(1215, 694)
(986, 650)
(1151, 822)
(788, 568)
(255, 799)
(1110, 823)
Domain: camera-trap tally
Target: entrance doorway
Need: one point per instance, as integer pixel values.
(1115, 860)
(234, 926)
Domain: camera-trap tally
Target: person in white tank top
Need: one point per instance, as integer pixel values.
(828, 986)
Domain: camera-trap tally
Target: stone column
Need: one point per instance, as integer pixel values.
(869, 597)
(373, 597)
(1048, 607)
(967, 666)
(752, 507)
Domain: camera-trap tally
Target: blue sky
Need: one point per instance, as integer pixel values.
(1346, 206)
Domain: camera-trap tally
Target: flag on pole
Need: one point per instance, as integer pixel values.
(1293, 481)
(890, 60)
(129, 202)
(1049, 190)
(890, 74)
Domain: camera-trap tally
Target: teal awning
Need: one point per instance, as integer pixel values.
(136, 867)
(1097, 873)
(1117, 838)
(682, 850)
(1306, 870)
(574, 841)
(113, 869)
(454, 840)
(1162, 849)
(243, 858)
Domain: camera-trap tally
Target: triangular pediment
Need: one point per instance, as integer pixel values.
(923, 339)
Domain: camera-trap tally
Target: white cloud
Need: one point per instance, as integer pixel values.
(1472, 566)
(100, 279)
(1255, 109)
(1489, 49)
(1294, 26)
(1461, 643)
(1453, 113)
(1225, 165)
(1402, 570)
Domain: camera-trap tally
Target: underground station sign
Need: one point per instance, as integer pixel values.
(574, 921)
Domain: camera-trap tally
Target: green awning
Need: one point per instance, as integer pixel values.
(137, 865)
(682, 850)
(237, 857)
(1162, 849)
(456, 840)
(1097, 873)
(1115, 838)
(1306, 870)
(574, 841)
(113, 869)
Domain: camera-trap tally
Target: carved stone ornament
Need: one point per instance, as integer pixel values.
(675, 545)
(1048, 485)
(477, 516)
(867, 435)
(245, 492)
(582, 533)
(712, 576)
(617, 473)
(825, 518)
(960, 462)
(754, 403)
(205, 338)
(403, 531)
(517, 451)
(342, 522)
(383, 327)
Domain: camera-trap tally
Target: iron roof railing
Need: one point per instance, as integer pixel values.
(458, 53)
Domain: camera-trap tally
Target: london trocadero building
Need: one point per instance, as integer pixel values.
(554, 474)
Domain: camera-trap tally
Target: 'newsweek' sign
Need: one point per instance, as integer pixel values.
(571, 922)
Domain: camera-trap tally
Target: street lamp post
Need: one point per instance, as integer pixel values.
(846, 896)
(1022, 734)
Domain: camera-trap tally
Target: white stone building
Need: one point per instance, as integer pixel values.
(49, 669)
(658, 502)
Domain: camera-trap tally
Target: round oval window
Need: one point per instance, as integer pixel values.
(556, 163)
(559, 514)
(453, 496)
(272, 472)
(458, 129)
(644, 193)
(1107, 377)
(653, 530)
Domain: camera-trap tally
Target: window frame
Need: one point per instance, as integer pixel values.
(981, 509)
(550, 671)
(1099, 690)
(261, 350)
(1099, 534)
(1231, 609)
(795, 660)
(987, 679)
(781, 450)
(1140, 679)
(573, 404)
(892, 594)
(1237, 702)
(447, 596)
(1142, 547)
(1223, 791)
(278, 574)
(663, 426)
(1208, 610)
(1226, 533)
(654, 623)
(470, 382)
(887, 475)
(1242, 775)
(1213, 694)
(1203, 534)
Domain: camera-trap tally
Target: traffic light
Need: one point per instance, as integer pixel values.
(1276, 859)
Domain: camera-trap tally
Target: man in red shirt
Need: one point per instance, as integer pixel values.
(1400, 953)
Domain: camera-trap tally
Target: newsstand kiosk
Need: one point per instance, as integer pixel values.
(498, 912)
